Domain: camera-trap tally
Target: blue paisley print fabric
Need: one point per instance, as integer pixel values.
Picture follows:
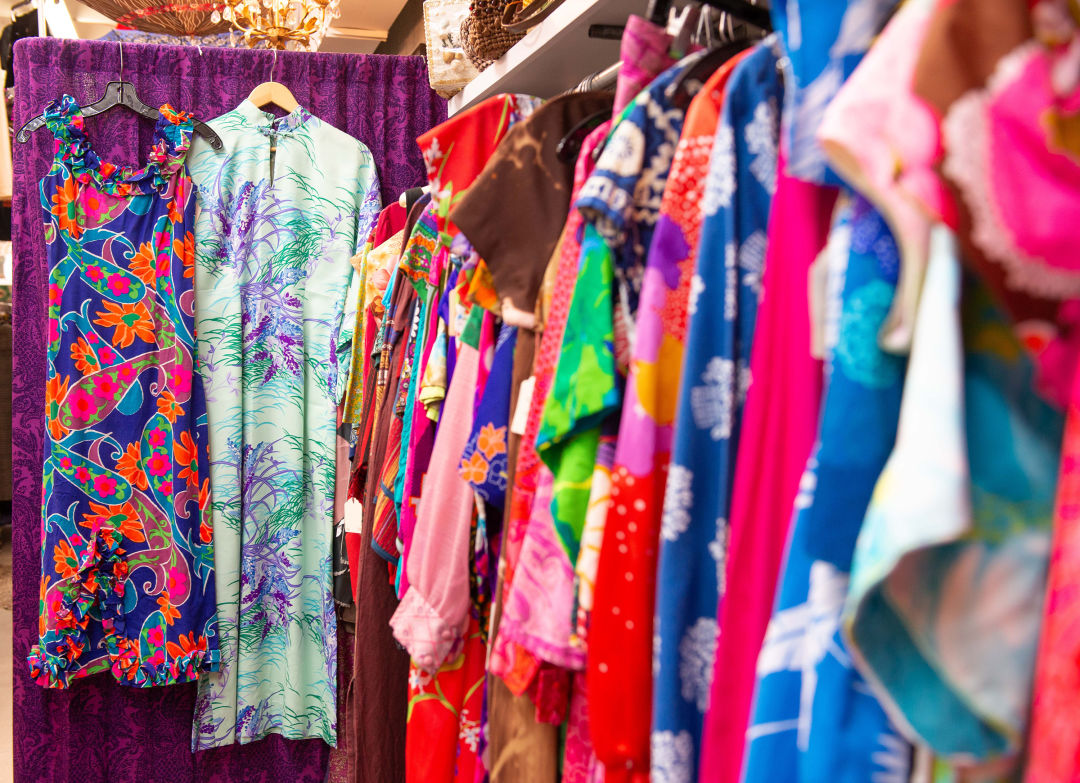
(127, 580)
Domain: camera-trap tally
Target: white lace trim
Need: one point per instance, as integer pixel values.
(966, 161)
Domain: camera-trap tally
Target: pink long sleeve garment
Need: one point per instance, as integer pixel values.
(434, 613)
(778, 430)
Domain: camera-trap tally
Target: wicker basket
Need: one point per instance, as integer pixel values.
(175, 17)
(482, 34)
(448, 68)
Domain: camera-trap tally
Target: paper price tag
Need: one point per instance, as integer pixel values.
(521, 413)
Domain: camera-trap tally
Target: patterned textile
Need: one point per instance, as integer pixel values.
(127, 579)
(431, 620)
(445, 710)
(165, 39)
(622, 197)
(814, 717)
(644, 51)
(100, 732)
(275, 298)
(375, 268)
(1001, 165)
(824, 40)
(522, 509)
(779, 424)
(583, 392)
(455, 152)
(709, 300)
(859, 134)
(1054, 740)
(620, 204)
(483, 462)
(947, 585)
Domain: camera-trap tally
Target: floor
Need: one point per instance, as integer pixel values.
(6, 667)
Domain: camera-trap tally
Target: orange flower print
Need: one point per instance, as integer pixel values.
(143, 263)
(167, 406)
(67, 563)
(186, 457)
(55, 392)
(185, 251)
(206, 525)
(187, 645)
(86, 360)
(122, 518)
(129, 466)
(131, 321)
(44, 590)
(65, 207)
(491, 441)
(475, 469)
(168, 611)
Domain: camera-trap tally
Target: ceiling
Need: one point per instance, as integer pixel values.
(362, 26)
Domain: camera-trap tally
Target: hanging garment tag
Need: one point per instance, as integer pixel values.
(817, 283)
(521, 413)
(354, 516)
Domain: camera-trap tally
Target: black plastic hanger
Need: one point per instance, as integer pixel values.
(570, 145)
(745, 11)
(120, 93)
(701, 70)
(22, 9)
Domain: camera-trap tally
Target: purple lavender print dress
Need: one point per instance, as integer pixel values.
(282, 209)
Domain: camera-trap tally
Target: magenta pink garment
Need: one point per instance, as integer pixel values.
(778, 430)
(421, 441)
(580, 764)
(538, 610)
(432, 617)
(644, 52)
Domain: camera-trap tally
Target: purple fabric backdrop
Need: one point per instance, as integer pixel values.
(100, 731)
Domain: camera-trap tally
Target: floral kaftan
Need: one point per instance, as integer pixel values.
(283, 208)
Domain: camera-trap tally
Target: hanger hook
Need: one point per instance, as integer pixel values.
(121, 44)
(273, 66)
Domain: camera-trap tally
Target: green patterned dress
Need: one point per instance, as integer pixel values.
(282, 209)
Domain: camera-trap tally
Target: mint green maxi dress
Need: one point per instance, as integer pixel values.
(281, 211)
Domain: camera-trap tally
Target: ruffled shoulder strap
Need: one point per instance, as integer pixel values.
(64, 120)
(172, 138)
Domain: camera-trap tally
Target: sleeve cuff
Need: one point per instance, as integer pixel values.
(418, 627)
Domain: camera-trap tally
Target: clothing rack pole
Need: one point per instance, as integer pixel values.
(757, 15)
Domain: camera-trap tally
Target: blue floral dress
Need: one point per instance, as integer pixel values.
(127, 579)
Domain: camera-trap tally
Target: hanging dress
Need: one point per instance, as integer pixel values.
(127, 559)
(283, 208)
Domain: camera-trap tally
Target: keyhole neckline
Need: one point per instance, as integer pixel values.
(271, 125)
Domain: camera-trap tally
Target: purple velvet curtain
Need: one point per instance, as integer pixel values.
(98, 730)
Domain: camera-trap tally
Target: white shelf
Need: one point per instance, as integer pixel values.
(553, 56)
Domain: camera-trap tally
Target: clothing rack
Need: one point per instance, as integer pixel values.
(757, 15)
(602, 80)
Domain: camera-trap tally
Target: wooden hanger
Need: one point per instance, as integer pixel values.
(274, 92)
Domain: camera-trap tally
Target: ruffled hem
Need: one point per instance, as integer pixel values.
(172, 138)
(100, 582)
(127, 668)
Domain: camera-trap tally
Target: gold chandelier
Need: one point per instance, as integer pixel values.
(298, 25)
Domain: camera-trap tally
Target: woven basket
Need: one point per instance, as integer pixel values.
(175, 17)
(482, 34)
